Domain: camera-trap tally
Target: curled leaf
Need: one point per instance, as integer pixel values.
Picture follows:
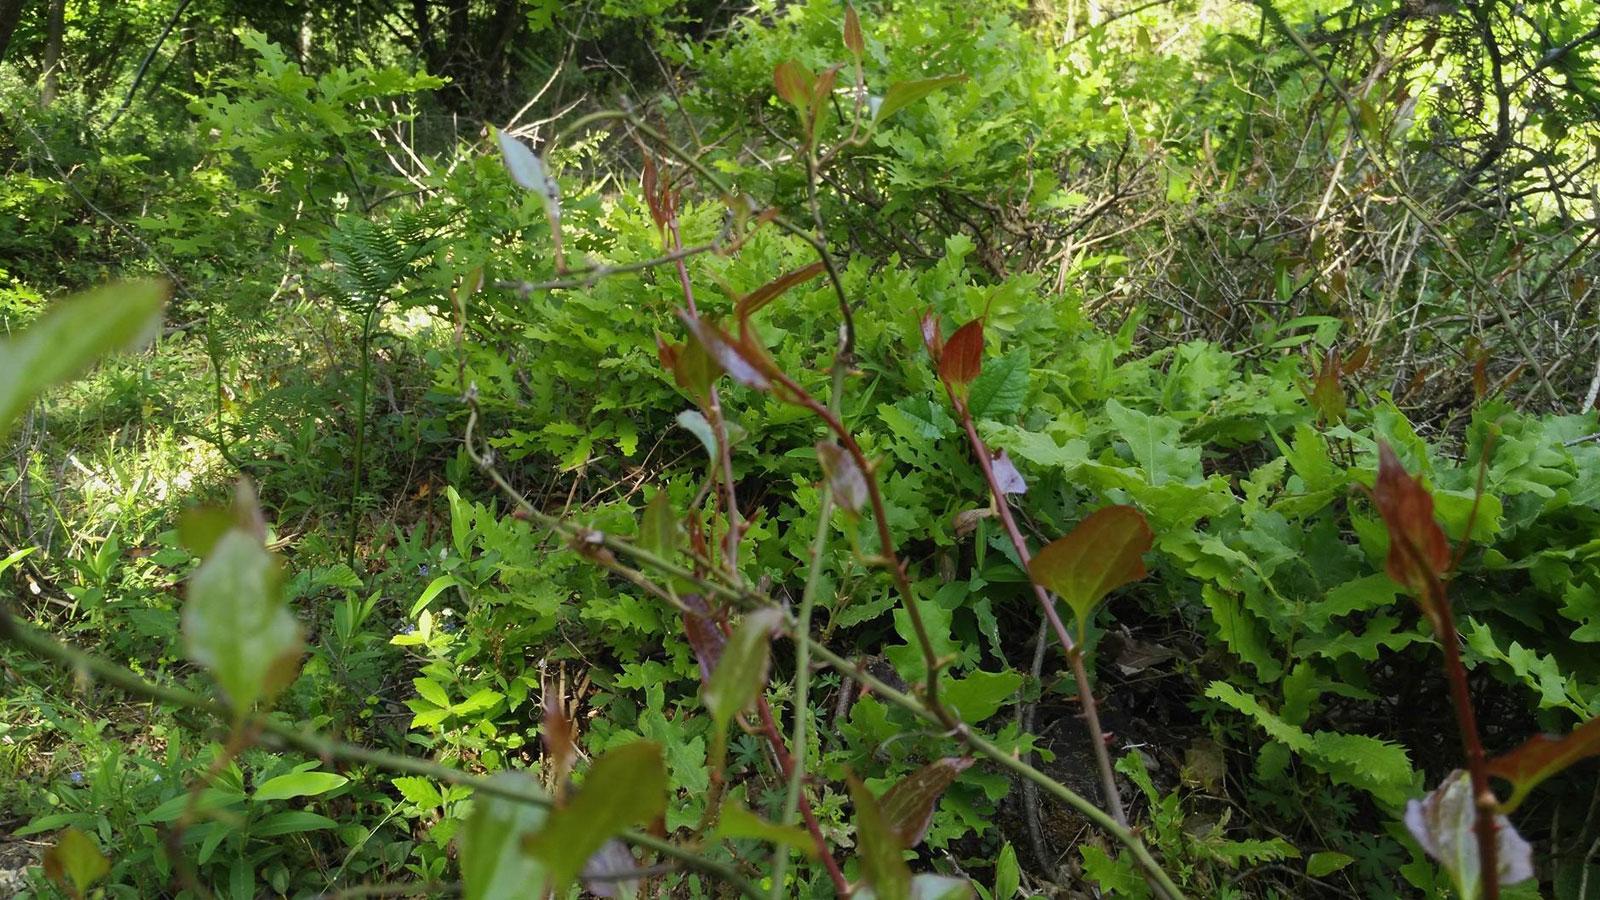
(794, 83)
(932, 336)
(1418, 552)
(908, 807)
(1105, 552)
(1443, 824)
(1542, 756)
(962, 358)
(737, 359)
(1006, 474)
(752, 303)
(853, 40)
(846, 482)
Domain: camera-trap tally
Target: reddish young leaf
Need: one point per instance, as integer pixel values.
(1006, 474)
(846, 482)
(1327, 390)
(794, 83)
(705, 638)
(1418, 552)
(753, 302)
(736, 359)
(692, 368)
(962, 358)
(560, 736)
(932, 335)
(1105, 552)
(908, 806)
(1542, 756)
(852, 32)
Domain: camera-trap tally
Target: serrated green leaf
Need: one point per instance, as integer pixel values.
(999, 391)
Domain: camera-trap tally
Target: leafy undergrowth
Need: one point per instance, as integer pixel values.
(841, 476)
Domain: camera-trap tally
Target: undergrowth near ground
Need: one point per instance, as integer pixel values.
(907, 450)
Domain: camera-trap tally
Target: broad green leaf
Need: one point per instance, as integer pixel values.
(737, 822)
(999, 391)
(1157, 445)
(1007, 873)
(879, 851)
(978, 695)
(659, 532)
(236, 625)
(905, 93)
(908, 806)
(431, 691)
(291, 821)
(435, 588)
(1443, 823)
(1104, 552)
(494, 865)
(299, 784)
(71, 336)
(75, 862)
(741, 674)
(626, 786)
(1326, 862)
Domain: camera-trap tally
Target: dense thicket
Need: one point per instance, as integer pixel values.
(591, 361)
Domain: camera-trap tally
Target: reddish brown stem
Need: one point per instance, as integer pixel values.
(886, 546)
(1471, 741)
(786, 763)
(1091, 712)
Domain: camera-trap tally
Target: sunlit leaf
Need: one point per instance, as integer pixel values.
(298, 784)
(493, 864)
(1105, 552)
(75, 862)
(1443, 823)
(626, 786)
(905, 93)
(1418, 551)
(1542, 756)
(528, 170)
(928, 886)
(846, 482)
(878, 849)
(1326, 862)
(909, 805)
(235, 623)
(71, 336)
(694, 422)
(962, 358)
(1007, 873)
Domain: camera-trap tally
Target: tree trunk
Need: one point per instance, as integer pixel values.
(10, 15)
(52, 51)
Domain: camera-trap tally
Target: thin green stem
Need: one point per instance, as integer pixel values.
(285, 736)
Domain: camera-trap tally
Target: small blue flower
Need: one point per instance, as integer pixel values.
(424, 569)
(75, 777)
(409, 629)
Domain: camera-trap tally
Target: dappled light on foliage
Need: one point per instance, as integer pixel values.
(505, 448)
